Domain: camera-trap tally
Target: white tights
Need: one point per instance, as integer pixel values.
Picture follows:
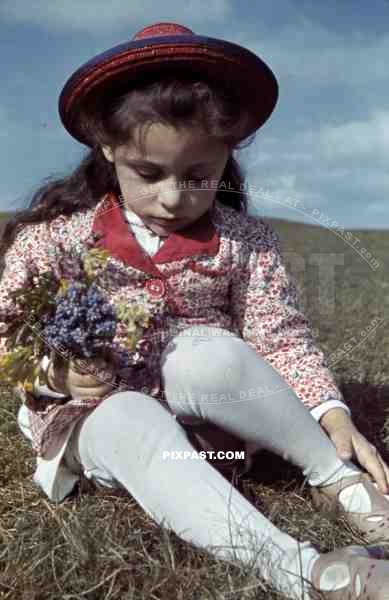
(121, 444)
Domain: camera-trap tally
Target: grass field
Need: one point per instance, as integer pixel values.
(101, 545)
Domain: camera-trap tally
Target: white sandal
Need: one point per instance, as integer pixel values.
(373, 524)
(368, 577)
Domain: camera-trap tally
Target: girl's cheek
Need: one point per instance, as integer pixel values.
(132, 192)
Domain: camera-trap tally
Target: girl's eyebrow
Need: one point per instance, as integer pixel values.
(147, 163)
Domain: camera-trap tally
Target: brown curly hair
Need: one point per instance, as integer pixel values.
(111, 118)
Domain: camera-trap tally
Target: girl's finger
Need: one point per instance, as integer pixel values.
(386, 470)
(369, 459)
(384, 464)
(82, 377)
(82, 392)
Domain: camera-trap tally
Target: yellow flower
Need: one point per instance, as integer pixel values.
(130, 342)
(63, 287)
(94, 258)
(28, 386)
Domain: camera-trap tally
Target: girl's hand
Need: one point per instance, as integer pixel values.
(350, 443)
(81, 378)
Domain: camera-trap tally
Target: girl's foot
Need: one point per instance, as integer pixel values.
(361, 504)
(352, 573)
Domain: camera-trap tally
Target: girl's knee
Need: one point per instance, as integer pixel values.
(127, 422)
(129, 410)
(214, 358)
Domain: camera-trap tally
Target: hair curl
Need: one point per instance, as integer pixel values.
(111, 119)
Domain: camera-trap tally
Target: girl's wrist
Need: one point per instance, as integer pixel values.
(335, 419)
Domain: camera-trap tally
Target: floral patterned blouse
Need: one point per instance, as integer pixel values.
(224, 270)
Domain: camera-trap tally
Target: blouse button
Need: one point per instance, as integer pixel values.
(156, 288)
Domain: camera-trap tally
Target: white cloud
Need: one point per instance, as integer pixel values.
(331, 168)
(95, 16)
(357, 139)
(307, 50)
(350, 142)
(340, 172)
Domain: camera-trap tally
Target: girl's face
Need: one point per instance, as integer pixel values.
(177, 178)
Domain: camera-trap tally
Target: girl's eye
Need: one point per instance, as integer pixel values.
(150, 177)
(147, 175)
(200, 178)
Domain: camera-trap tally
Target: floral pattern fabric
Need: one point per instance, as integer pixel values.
(224, 271)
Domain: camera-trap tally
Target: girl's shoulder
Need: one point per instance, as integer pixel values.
(77, 223)
(252, 230)
(28, 235)
(42, 235)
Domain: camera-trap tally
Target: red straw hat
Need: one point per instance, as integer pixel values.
(170, 48)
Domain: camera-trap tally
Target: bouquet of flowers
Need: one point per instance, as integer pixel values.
(64, 309)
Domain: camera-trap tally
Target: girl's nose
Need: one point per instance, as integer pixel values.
(172, 199)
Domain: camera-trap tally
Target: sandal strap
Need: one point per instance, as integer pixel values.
(379, 504)
(344, 483)
(367, 574)
(326, 497)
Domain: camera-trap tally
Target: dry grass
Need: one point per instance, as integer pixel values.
(101, 545)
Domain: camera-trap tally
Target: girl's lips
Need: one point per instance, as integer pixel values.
(166, 222)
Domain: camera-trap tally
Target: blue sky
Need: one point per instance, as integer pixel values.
(326, 146)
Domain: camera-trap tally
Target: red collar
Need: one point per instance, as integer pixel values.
(199, 238)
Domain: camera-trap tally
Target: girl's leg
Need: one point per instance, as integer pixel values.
(220, 378)
(122, 442)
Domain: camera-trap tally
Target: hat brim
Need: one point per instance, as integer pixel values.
(126, 65)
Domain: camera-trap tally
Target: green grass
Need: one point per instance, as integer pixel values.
(99, 544)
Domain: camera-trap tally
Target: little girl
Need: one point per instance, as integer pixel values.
(227, 348)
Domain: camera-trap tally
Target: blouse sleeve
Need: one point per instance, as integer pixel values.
(16, 273)
(265, 308)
